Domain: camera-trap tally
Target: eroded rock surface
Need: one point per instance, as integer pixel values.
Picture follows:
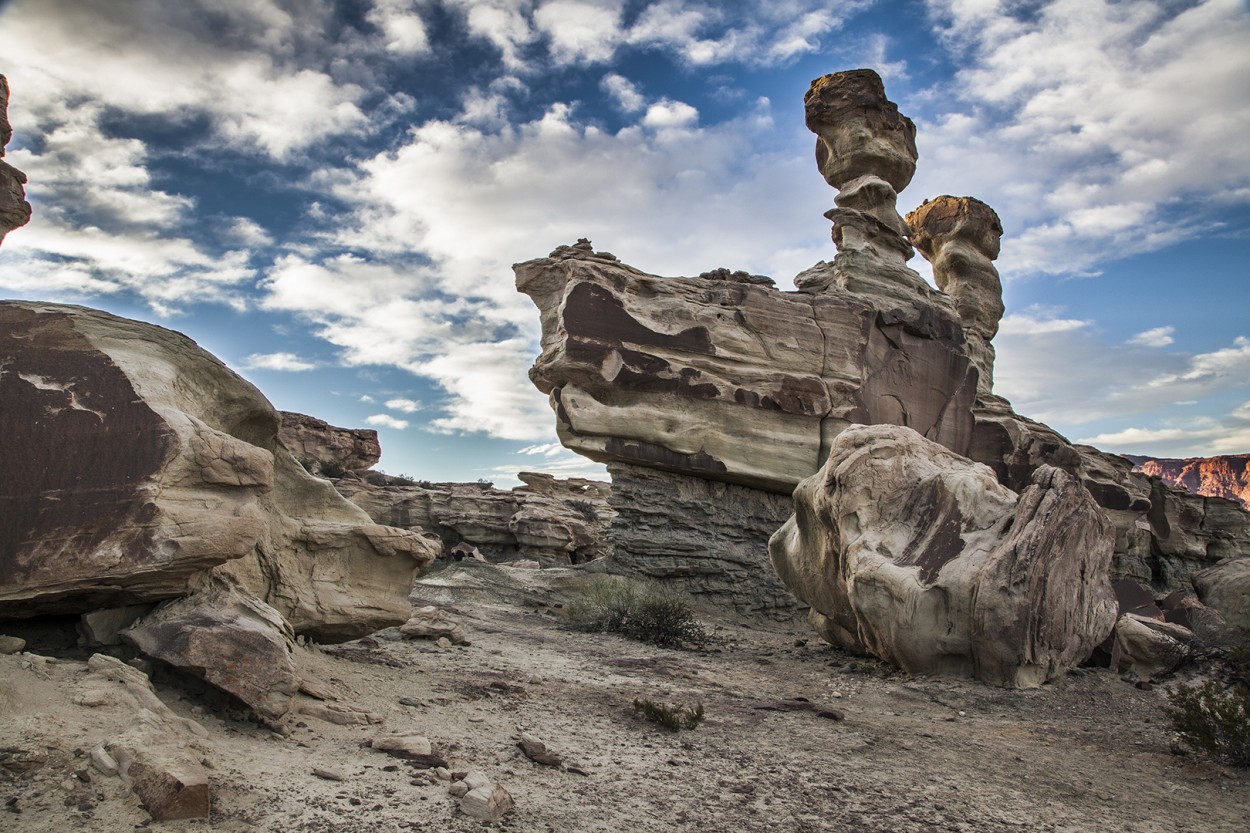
(135, 462)
(328, 449)
(14, 210)
(550, 520)
(919, 556)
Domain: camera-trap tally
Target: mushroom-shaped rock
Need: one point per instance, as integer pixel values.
(960, 237)
(858, 130)
(916, 555)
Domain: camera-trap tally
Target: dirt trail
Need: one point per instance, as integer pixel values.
(1088, 752)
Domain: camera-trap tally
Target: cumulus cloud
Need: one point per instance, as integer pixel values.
(1156, 337)
(402, 26)
(276, 361)
(387, 421)
(624, 92)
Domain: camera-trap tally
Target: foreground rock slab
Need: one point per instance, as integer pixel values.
(918, 556)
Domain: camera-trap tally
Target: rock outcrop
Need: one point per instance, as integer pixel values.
(325, 449)
(135, 463)
(914, 554)
(14, 210)
(550, 520)
(1226, 476)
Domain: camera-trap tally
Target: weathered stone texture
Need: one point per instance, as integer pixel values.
(919, 556)
(732, 381)
(701, 535)
(550, 520)
(14, 210)
(326, 448)
(136, 462)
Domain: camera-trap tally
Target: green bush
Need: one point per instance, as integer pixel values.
(330, 468)
(674, 718)
(636, 609)
(1213, 719)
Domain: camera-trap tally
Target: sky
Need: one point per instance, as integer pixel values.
(329, 194)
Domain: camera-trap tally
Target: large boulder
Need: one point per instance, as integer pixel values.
(916, 555)
(1225, 588)
(135, 462)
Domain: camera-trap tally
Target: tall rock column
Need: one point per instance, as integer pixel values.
(960, 237)
(14, 210)
(867, 150)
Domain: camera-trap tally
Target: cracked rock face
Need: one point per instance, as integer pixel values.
(920, 557)
(135, 463)
(14, 210)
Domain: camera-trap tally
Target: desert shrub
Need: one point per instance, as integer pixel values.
(307, 463)
(636, 609)
(674, 718)
(585, 509)
(376, 478)
(1213, 719)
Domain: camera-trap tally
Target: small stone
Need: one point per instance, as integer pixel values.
(459, 789)
(403, 745)
(444, 643)
(487, 803)
(442, 773)
(11, 644)
(329, 774)
(103, 761)
(408, 701)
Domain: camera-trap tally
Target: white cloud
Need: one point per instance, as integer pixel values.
(1156, 337)
(670, 114)
(581, 31)
(1226, 365)
(276, 361)
(387, 421)
(624, 92)
(403, 27)
(1089, 121)
(408, 406)
(1038, 320)
(1195, 437)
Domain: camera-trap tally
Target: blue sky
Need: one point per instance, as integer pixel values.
(329, 195)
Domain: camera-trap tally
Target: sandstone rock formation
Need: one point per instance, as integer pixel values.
(14, 210)
(135, 463)
(1226, 476)
(960, 237)
(678, 381)
(326, 449)
(916, 555)
(1225, 588)
(552, 521)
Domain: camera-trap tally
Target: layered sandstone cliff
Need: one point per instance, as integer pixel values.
(1226, 476)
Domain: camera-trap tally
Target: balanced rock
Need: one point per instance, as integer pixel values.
(918, 556)
(858, 130)
(135, 462)
(14, 210)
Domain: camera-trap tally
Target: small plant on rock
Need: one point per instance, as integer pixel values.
(674, 718)
(638, 610)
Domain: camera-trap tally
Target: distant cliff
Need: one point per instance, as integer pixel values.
(1227, 476)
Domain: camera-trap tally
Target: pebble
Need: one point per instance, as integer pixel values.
(329, 774)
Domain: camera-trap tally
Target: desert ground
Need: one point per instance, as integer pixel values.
(1087, 752)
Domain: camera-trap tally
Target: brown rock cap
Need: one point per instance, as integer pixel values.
(858, 130)
(944, 218)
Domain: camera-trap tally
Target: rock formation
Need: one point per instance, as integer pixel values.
(683, 384)
(139, 469)
(549, 520)
(14, 210)
(960, 237)
(919, 556)
(325, 449)
(1226, 476)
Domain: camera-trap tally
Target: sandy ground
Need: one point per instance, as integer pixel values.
(1088, 752)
